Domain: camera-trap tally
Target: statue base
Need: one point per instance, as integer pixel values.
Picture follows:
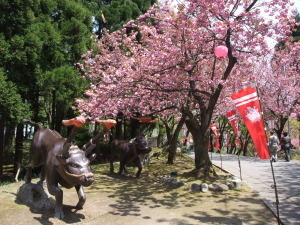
(35, 197)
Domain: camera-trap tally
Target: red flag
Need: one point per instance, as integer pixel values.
(247, 103)
(233, 121)
(214, 129)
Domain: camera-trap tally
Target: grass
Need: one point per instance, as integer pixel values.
(183, 166)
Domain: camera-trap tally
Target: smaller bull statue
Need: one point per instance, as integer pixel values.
(128, 153)
(62, 163)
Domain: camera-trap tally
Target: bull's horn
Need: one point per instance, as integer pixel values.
(67, 143)
(91, 144)
(66, 148)
(88, 147)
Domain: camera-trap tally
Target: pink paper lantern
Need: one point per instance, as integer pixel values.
(221, 51)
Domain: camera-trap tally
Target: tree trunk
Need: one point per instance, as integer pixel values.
(8, 139)
(282, 121)
(200, 134)
(186, 138)
(1, 147)
(173, 142)
(172, 151)
(119, 125)
(125, 129)
(211, 141)
(135, 125)
(245, 145)
(160, 136)
(35, 108)
(61, 115)
(18, 147)
(202, 159)
(53, 111)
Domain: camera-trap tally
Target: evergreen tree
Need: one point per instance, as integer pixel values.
(40, 38)
(12, 110)
(112, 14)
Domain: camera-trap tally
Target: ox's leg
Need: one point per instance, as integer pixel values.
(28, 176)
(125, 170)
(81, 196)
(111, 164)
(58, 193)
(42, 177)
(139, 165)
(122, 166)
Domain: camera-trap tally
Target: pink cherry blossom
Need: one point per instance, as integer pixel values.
(172, 65)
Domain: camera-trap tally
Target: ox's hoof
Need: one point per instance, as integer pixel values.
(59, 215)
(138, 176)
(79, 205)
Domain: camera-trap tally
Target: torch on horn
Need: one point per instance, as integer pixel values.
(92, 143)
(76, 123)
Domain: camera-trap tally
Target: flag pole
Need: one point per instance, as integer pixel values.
(276, 194)
(273, 174)
(241, 144)
(221, 158)
(240, 167)
(239, 154)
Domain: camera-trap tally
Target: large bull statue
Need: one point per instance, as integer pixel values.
(128, 153)
(62, 163)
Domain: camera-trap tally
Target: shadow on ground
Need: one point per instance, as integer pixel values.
(115, 199)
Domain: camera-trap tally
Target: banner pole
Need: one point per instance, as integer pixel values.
(221, 158)
(276, 194)
(273, 174)
(240, 167)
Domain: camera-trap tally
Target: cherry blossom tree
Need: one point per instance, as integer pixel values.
(164, 61)
(278, 84)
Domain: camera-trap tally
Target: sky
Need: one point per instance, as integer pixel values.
(271, 42)
(297, 3)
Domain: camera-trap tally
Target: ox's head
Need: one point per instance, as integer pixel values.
(141, 144)
(75, 166)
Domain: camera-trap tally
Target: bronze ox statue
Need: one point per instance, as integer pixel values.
(128, 153)
(62, 163)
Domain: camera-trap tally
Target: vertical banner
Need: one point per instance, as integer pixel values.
(214, 130)
(247, 103)
(234, 124)
(233, 121)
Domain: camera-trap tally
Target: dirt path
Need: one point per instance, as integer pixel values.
(117, 199)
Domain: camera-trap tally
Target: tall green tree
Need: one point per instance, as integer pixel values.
(12, 110)
(58, 85)
(38, 38)
(112, 14)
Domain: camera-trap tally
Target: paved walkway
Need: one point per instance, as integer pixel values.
(257, 174)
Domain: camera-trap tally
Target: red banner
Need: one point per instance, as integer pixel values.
(214, 129)
(247, 103)
(233, 121)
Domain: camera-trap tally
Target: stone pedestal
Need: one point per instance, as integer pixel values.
(34, 196)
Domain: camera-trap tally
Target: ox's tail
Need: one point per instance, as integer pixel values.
(36, 125)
